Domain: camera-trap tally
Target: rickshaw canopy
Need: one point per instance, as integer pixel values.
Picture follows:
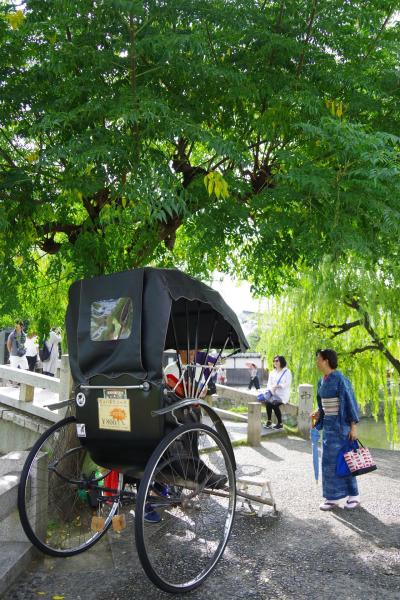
(122, 322)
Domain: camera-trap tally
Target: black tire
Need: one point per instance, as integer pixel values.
(189, 482)
(60, 469)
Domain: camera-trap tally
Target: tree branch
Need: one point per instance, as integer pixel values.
(310, 24)
(381, 346)
(366, 323)
(8, 158)
(363, 349)
(339, 329)
(379, 33)
(181, 163)
(133, 82)
(211, 44)
(280, 17)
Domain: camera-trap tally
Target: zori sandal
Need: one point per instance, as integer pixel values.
(328, 505)
(350, 504)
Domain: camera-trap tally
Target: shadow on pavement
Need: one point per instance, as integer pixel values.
(292, 443)
(369, 527)
(267, 453)
(387, 467)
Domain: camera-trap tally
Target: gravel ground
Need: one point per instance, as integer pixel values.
(302, 553)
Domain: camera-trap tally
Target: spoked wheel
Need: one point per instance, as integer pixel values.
(60, 492)
(189, 487)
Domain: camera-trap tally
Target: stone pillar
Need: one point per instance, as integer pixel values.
(65, 379)
(212, 400)
(306, 400)
(26, 392)
(254, 424)
(39, 500)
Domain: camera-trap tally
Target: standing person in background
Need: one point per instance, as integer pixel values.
(337, 416)
(253, 376)
(278, 391)
(221, 379)
(32, 349)
(50, 365)
(16, 346)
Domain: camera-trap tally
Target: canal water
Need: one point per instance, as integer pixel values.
(373, 434)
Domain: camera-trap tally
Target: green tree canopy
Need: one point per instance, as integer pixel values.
(249, 136)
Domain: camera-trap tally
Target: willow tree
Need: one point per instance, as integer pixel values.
(353, 309)
(247, 136)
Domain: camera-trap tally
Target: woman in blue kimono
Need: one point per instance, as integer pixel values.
(337, 415)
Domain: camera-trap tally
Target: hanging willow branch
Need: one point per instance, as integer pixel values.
(338, 329)
(363, 349)
(366, 323)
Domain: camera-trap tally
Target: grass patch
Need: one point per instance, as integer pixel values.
(291, 429)
(242, 409)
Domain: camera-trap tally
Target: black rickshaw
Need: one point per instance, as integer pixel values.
(142, 435)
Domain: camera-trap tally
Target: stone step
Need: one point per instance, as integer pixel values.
(15, 557)
(12, 462)
(8, 494)
(16, 552)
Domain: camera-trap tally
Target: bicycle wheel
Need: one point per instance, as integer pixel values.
(189, 486)
(60, 491)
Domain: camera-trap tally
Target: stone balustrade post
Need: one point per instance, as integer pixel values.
(306, 400)
(66, 381)
(254, 424)
(26, 392)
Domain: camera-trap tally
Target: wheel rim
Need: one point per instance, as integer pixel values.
(182, 549)
(62, 472)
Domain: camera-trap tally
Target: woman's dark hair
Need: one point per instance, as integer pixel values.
(19, 322)
(330, 356)
(282, 360)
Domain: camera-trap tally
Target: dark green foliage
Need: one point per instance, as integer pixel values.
(113, 112)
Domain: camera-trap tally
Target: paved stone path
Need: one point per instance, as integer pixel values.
(301, 554)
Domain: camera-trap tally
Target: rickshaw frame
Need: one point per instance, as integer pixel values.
(183, 467)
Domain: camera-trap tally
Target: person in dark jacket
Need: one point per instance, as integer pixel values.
(16, 346)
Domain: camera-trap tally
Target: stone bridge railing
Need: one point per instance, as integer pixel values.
(62, 386)
(29, 380)
(22, 420)
(301, 410)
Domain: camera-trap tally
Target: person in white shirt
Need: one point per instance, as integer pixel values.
(221, 376)
(278, 391)
(32, 349)
(50, 365)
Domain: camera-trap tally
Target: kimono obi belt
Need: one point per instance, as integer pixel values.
(330, 406)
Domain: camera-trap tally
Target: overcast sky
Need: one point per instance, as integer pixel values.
(236, 294)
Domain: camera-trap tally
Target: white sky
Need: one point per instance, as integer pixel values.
(235, 293)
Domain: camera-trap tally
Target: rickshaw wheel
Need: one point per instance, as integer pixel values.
(189, 487)
(60, 492)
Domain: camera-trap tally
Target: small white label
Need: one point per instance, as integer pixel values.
(81, 429)
(80, 399)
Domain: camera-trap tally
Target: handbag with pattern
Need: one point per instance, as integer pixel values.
(359, 460)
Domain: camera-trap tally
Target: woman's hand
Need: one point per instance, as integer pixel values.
(353, 432)
(314, 417)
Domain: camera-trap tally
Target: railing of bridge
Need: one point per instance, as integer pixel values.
(29, 380)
